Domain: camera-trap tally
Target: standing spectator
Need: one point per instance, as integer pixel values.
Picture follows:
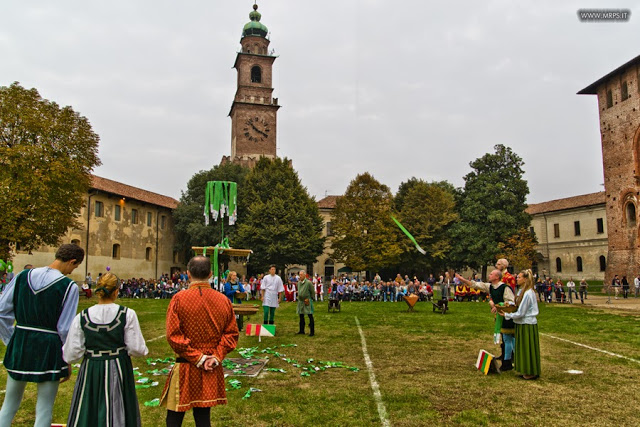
(106, 335)
(615, 284)
(89, 280)
(583, 289)
(42, 302)
(625, 287)
(271, 290)
(445, 285)
(560, 295)
(636, 283)
(540, 289)
(201, 329)
(571, 288)
(305, 303)
(431, 281)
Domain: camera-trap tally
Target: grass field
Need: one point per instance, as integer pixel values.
(424, 365)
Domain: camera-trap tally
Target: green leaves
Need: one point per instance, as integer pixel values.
(46, 156)
(366, 236)
(491, 207)
(282, 224)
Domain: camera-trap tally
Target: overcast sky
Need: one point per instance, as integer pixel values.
(397, 88)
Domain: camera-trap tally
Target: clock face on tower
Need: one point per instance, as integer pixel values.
(256, 129)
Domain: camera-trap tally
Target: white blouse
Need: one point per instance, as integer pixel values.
(527, 311)
(74, 348)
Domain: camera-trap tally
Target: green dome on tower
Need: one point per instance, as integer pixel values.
(255, 27)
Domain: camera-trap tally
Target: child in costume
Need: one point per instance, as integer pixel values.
(106, 334)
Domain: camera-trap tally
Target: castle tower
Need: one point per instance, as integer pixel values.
(619, 108)
(254, 110)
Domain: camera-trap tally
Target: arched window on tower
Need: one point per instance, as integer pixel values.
(558, 265)
(630, 210)
(579, 263)
(256, 75)
(603, 263)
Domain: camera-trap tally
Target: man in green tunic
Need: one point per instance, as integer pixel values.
(43, 303)
(306, 293)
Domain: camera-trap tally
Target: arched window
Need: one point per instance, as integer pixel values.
(558, 265)
(630, 210)
(256, 74)
(75, 242)
(328, 269)
(579, 263)
(603, 263)
(115, 252)
(148, 254)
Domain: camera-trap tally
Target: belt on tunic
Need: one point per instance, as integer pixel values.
(37, 329)
(105, 354)
(181, 360)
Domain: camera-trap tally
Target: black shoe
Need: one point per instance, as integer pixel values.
(312, 334)
(507, 365)
(300, 333)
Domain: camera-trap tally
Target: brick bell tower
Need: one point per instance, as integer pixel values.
(254, 110)
(618, 96)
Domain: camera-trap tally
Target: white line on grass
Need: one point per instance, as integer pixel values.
(156, 338)
(592, 348)
(382, 412)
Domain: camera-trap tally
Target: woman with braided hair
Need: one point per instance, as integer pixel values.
(106, 334)
(527, 348)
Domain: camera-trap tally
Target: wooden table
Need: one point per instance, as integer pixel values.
(242, 311)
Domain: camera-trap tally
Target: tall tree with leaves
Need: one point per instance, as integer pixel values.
(189, 215)
(427, 210)
(47, 153)
(491, 207)
(282, 223)
(366, 238)
(520, 250)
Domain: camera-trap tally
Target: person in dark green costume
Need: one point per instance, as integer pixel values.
(106, 334)
(501, 294)
(306, 292)
(42, 303)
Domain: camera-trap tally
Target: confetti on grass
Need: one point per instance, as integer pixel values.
(248, 393)
(153, 403)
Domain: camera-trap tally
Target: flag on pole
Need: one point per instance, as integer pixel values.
(422, 251)
(255, 330)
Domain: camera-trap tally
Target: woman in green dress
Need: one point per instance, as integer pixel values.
(106, 335)
(527, 348)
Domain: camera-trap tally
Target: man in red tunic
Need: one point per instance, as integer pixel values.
(507, 278)
(201, 329)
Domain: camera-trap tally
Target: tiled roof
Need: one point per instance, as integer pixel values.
(328, 202)
(127, 191)
(568, 203)
(592, 89)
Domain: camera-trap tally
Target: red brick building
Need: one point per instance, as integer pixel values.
(253, 112)
(619, 108)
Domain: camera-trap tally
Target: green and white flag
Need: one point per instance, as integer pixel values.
(221, 197)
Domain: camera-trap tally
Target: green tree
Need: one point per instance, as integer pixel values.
(366, 238)
(520, 250)
(189, 215)
(47, 153)
(427, 210)
(282, 223)
(491, 207)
